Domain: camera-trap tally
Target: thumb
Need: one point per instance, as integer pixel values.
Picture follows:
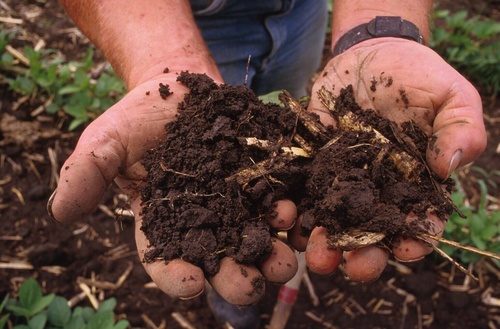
(459, 133)
(87, 173)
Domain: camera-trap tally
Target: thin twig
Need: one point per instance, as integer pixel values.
(17, 54)
(183, 322)
(86, 290)
(460, 246)
(16, 266)
(108, 285)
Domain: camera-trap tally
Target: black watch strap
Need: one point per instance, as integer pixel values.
(381, 26)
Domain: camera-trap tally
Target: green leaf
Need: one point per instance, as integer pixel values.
(75, 124)
(476, 225)
(81, 78)
(38, 321)
(76, 322)
(478, 242)
(3, 320)
(102, 320)
(41, 304)
(70, 89)
(271, 97)
(4, 302)
(75, 110)
(107, 305)
(52, 108)
(122, 324)
(458, 19)
(23, 85)
(33, 56)
(21, 326)
(486, 29)
(7, 59)
(87, 313)
(490, 231)
(30, 293)
(59, 312)
(87, 59)
(441, 13)
(47, 77)
(19, 310)
(105, 103)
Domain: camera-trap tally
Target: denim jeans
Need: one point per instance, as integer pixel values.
(285, 39)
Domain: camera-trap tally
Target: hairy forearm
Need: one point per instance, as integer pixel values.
(350, 13)
(140, 37)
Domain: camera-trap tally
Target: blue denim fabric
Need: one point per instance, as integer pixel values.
(285, 39)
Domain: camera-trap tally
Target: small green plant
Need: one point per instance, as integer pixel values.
(480, 228)
(58, 84)
(32, 310)
(471, 45)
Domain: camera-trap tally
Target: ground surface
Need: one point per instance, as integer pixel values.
(101, 248)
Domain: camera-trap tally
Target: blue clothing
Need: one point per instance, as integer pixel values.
(285, 39)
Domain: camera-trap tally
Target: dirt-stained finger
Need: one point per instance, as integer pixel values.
(364, 264)
(320, 257)
(281, 265)
(177, 278)
(282, 215)
(238, 284)
(295, 237)
(407, 249)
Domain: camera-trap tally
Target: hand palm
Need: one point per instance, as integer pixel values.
(402, 80)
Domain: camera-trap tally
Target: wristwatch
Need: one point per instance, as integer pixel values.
(381, 26)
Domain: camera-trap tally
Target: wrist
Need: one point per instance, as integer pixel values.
(348, 14)
(140, 41)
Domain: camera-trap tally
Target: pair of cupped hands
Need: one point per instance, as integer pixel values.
(439, 100)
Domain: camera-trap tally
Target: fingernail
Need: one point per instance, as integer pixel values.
(455, 161)
(49, 205)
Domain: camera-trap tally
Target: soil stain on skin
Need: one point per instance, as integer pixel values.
(195, 209)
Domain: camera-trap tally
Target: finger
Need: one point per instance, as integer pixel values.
(177, 278)
(282, 215)
(295, 237)
(407, 249)
(281, 265)
(87, 173)
(239, 284)
(364, 264)
(320, 257)
(459, 133)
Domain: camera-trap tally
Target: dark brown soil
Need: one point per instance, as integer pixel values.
(195, 208)
(101, 248)
(190, 209)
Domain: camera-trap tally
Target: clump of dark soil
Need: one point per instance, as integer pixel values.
(212, 183)
(371, 175)
(193, 206)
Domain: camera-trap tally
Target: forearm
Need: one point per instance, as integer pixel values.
(350, 13)
(139, 38)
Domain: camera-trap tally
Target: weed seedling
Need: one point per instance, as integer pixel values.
(33, 310)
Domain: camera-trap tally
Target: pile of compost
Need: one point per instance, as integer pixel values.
(229, 156)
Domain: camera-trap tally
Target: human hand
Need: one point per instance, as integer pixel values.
(401, 80)
(111, 148)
